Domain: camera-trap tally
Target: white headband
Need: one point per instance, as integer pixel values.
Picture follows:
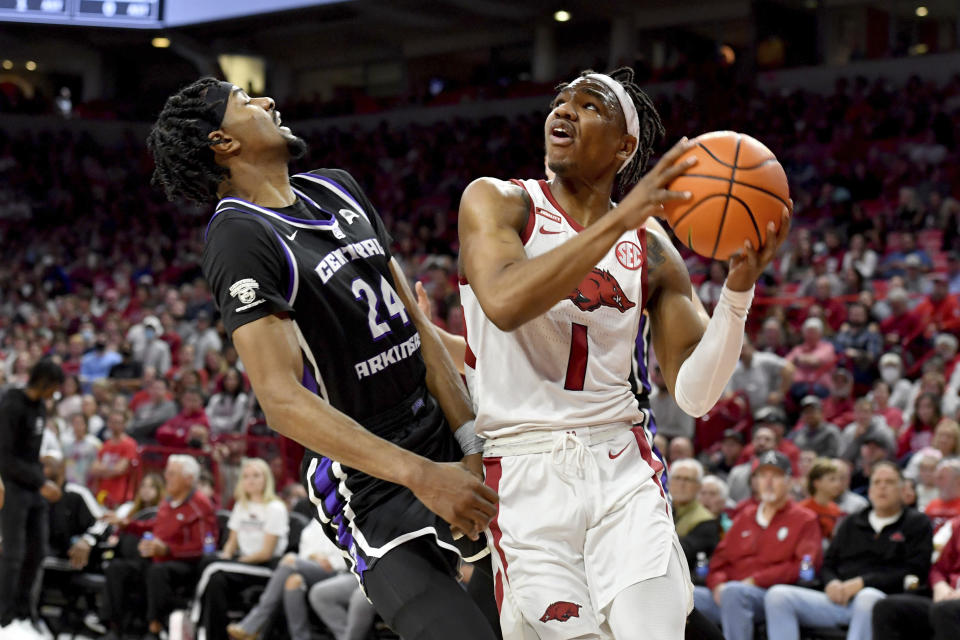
(626, 105)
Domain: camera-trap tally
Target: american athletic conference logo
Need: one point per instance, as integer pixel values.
(629, 255)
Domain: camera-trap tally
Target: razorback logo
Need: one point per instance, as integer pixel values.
(561, 611)
(600, 289)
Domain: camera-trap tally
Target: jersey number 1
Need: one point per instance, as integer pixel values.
(363, 291)
(577, 363)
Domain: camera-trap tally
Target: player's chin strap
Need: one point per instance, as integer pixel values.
(705, 373)
(466, 435)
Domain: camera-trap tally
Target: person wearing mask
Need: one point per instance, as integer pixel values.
(697, 528)
(813, 431)
(765, 547)
(901, 389)
(823, 487)
(917, 617)
(872, 554)
(24, 520)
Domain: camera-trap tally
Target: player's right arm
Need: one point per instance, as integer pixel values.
(271, 356)
(513, 289)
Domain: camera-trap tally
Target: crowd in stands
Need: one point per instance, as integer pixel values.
(850, 362)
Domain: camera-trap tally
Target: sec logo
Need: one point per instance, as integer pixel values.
(629, 255)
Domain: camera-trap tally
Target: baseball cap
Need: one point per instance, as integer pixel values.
(912, 260)
(874, 438)
(810, 401)
(772, 458)
(732, 434)
(770, 414)
(154, 323)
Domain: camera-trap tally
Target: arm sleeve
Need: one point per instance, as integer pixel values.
(919, 548)
(26, 473)
(249, 274)
(351, 185)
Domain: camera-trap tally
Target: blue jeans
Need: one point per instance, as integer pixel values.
(788, 607)
(740, 605)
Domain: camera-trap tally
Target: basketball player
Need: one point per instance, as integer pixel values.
(554, 284)
(302, 274)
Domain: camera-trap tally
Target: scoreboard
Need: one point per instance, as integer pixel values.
(102, 13)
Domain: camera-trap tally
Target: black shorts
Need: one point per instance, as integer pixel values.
(367, 517)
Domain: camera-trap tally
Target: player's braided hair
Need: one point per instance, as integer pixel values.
(185, 167)
(651, 127)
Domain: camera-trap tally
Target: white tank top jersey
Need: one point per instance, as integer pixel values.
(572, 366)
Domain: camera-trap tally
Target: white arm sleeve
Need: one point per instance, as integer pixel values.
(703, 375)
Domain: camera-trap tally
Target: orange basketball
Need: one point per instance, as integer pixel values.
(738, 187)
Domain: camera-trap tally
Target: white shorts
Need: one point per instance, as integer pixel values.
(582, 516)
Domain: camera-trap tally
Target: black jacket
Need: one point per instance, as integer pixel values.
(21, 432)
(75, 516)
(882, 559)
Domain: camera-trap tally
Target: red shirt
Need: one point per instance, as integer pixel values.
(893, 416)
(827, 515)
(947, 567)
(943, 314)
(181, 528)
(174, 432)
(940, 511)
(770, 555)
(110, 453)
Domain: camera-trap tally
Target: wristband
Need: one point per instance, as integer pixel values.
(466, 435)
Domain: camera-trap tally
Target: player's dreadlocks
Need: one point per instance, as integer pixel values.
(185, 167)
(651, 128)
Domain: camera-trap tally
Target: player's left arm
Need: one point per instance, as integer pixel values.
(443, 379)
(698, 357)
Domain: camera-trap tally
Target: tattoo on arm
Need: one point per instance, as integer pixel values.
(655, 256)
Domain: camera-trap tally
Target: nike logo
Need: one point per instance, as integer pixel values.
(293, 235)
(617, 455)
(547, 231)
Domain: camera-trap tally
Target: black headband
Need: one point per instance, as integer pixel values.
(216, 98)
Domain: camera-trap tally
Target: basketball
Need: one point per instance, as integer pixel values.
(738, 186)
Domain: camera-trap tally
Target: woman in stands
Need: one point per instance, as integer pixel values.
(258, 527)
(227, 408)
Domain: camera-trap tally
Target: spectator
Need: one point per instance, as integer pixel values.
(155, 352)
(115, 461)
(149, 494)
(915, 617)
(680, 448)
(865, 425)
(871, 555)
(772, 338)
(859, 343)
(946, 438)
(901, 326)
(70, 397)
(824, 295)
(946, 505)
(823, 487)
(227, 408)
(204, 339)
(923, 467)
(838, 406)
(342, 607)
(765, 378)
(764, 547)
(776, 419)
(919, 432)
(190, 427)
(798, 484)
(891, 415)
(24, 521)
(697, 528)
(152, 412)
(728, 455)
(953, 272)
(891, 372)
(80, 452)
(96, 363)
(258, 526)
(127, 375)
(90, 409)
(672, 421)
(848, 501)
(939, 311)
(873, 450)
(813, 432)
(860, 257)
(713, 496)
(75, 529)
(814, 359)
(909, 493)
(316, 560)
(167, 559)
(764, 440)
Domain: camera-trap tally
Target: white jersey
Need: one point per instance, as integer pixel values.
(574, 365)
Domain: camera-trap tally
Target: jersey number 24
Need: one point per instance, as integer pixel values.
(363, 291)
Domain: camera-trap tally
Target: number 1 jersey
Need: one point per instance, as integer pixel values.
(576, 365)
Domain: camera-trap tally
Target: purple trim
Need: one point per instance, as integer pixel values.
(642, 355)
(308, 381)
(312, 223)
(340, 188)
(291, 274)
(215, 214)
